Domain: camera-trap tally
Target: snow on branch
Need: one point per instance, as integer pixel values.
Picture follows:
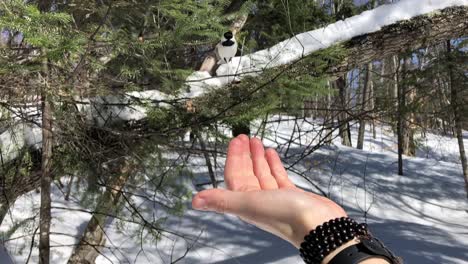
(303, 44)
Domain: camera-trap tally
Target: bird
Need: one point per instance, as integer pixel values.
(226, 48)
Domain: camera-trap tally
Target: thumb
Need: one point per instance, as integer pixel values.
(221, 201)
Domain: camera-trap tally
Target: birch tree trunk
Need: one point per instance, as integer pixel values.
(396, 66)
(371, 108)
(364, 99)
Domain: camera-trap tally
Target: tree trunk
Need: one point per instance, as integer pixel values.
(371, 109)
(46, 177)
(396, 66)
(409, 127)
(93, 238)
(327, 118)
(364, 98)
(207, 158)
(46, 159)
(343, 116)
(400, 121)
(456, 104)
(44, 5)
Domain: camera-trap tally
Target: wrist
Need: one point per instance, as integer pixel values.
(335, 252)
(355, 241)
(308, 221)
(343, 240)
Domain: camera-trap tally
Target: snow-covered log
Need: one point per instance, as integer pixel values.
(425, 13)
(423, 31)
(386, 30)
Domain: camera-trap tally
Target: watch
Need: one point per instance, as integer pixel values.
(367, 248)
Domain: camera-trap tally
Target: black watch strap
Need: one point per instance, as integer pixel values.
(366, 249)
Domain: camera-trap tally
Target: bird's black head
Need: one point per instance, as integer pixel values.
(228, 35)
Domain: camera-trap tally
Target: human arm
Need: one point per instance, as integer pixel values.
(260, 192)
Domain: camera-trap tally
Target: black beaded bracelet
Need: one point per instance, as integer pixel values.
(328, 237)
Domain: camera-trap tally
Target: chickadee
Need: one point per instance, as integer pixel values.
(227, 48)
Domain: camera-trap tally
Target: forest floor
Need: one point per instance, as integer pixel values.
(422, 215)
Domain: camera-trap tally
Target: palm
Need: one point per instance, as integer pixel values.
(261, 193)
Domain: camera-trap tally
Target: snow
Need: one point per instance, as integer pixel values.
(421, 216)
(18, 136)
(66, 227)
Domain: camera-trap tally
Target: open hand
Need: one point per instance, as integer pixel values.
(260, 192)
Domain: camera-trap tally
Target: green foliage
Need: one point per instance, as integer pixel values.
(274, 21)
(52, 32)
(153, 43)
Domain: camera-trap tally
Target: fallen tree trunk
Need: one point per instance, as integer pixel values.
(419, 32)
(88, 249)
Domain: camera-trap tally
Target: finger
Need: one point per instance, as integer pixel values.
(238, 172)
(260, 165)
(277, 169)
(221, 201)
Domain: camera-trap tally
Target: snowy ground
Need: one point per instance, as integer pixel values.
(422, 216)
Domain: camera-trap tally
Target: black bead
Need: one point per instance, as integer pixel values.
(328, 236)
